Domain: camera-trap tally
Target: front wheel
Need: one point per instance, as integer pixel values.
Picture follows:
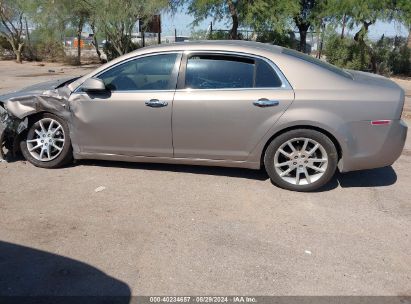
(301, 160)
(46, 143)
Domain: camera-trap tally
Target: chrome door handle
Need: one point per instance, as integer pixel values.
(155, 103)
(264, 102)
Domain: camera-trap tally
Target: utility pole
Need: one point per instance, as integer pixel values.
(209, 35)
(175, 35)
(141, 28)
(322, 40)
(343, 25)
(409, 38)
(319, 38)
(143, 40)
(159, 29)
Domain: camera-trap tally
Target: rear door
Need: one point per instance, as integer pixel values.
(225, 103)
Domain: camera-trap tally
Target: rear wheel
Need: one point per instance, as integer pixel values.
(47, 144)
(301, 160)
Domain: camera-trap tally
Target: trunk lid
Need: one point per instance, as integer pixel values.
(373, 79)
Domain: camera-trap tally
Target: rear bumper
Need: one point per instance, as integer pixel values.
(370, 147)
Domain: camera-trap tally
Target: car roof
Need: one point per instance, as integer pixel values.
(239, 45)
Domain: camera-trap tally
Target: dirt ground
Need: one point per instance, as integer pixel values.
(185, 230)
(14, 76)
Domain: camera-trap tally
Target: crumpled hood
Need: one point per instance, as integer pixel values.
(49, 96)
(38, 88)
(15, 107)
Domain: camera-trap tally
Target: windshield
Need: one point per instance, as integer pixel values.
(317, 62)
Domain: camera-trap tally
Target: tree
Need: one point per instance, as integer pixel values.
(260, 15)
(303, 21)
(280, 14)
(335, 12)
(402, 12)
(80, 14)
(360, 13)
(310, 15)
(95, 41)
(11, 17)
(265, 16)
(363, 14)
(63, 13)
(116, 20)
(217, 9)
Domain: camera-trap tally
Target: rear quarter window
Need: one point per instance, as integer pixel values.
(265, 76)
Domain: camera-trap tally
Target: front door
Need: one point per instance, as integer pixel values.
(134, 116)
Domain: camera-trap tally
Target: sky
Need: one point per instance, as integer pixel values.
(182, 22)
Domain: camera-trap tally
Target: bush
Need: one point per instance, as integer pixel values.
(48, 50)
(71, 60)
(6, 51)
(386, 56)
(219, 35)
(381, 52)
(4, 44)
(286, 39)
(399, 60)
(347, 53)
(44, 46)
(112, 53)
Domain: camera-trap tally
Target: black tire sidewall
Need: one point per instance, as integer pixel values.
(63, 158)
(321, 138)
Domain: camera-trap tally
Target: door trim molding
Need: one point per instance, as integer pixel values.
(169, 160)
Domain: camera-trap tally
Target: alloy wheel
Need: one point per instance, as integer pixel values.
(300, 161)
(46, 139)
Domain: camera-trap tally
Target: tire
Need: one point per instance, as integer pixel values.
(288, 168)
(59, 140)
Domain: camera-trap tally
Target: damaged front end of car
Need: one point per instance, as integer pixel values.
(17, 109)
(10, 129)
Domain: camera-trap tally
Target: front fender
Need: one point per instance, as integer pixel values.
(17, 109)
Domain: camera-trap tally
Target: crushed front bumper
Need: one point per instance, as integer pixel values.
(10, 129)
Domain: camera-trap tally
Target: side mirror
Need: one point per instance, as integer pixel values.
(93, 85)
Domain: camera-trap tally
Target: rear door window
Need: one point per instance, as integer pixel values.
(219, 72)
(206, 71)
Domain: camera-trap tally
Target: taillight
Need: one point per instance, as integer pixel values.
(380, 122)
